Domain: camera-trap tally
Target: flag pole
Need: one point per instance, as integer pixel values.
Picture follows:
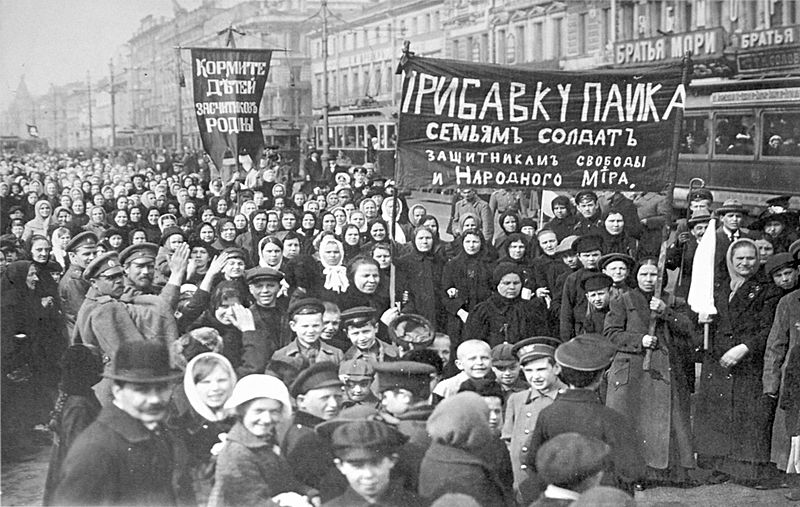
(686, 66)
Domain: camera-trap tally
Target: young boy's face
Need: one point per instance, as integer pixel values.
(307, 327)
(441, 345)
(396, 401)
(506, 374)
(357, 390)
(363, 336)
(599, 298)
(495, 413)
(368, 478)
(541, 373)
(475, 361)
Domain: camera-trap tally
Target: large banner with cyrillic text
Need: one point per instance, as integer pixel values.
(228, 85)
(483, 125)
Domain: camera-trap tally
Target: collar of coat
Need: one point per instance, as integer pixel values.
(240, 435)
(125, 425)
(578, 395)
(305, 419)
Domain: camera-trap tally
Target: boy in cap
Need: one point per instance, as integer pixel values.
(72, 287)
(571, 301)
(522, 408)
(589, 215)
(357, 375)
(596, 288)
(332, 333)
(569, 464)
(361, 325)
(782, 268)
(305, 321)
(506, 368)
(264, 284)
(366, 453)
(583, 360)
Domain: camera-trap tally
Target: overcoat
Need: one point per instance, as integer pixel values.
(657, 402)
(734, 417)
(499, 320)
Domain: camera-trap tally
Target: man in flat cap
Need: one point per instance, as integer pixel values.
(318, 394)
(522, 408)
(72, 287)
(305, 321)
(127, 456)
(596, 288)
(357, 376)
(569, 464)
(583, 360)
(264, 284)
(571, 303)
(360, 323)
(589, 215)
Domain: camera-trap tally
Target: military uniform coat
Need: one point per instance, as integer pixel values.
(72, 291)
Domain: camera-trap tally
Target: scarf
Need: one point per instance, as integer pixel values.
(335, 276)
(738, 280)
(190, 386)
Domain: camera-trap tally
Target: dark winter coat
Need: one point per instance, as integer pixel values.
(421, 275)
(471, 276)
(499, 320)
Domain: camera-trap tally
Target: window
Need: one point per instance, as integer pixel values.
(538, 42)
(694, 140)
(500, 50)
(511, 48)
(558, 37)
(735, 134)
(470, 56)
(427, 27)
(484, 49)
(520, 33)
(582, 33)
(780, 134)
(456, 49)
(378, 81)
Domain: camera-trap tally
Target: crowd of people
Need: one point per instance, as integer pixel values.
(233, 337)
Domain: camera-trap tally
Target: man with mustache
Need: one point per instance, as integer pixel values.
(127, 456)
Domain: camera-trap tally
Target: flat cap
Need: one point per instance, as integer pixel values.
(86, 238)
(365, 440)
(584, 195)
(356, 369)
(585, 352)
(567, 245)
(794, 249)
(503, 355)
(611, 257)
(595, 281)
(139, 251)
(171, 231)
(306, 306)
(569, 458)
(410, 329)
(106, 264)
(701, 193)
(409, 375)
(357, 316)
(536, 347)
(263, 273)
(316, 376)
(234, 252)
(780, 261)
(588, 243)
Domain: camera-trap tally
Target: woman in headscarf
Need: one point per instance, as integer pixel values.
(733, 420)
(516, 248)
(59, 239)
(241, 223)
(40, 223)
(466, 281)
(331, 265)
(226, 235)
(615, 236)
(79, 216)
(151, 224)
(415, 215)
(388, 213)
(420, 278)
(270, 253)
(205, 235)
(657, 401)
(470, 222)
(257, 231)
(365, 289)
(377, 232)
(505, 316)
(197, 413)
(118, 219)
(508, 223)
(351, 240)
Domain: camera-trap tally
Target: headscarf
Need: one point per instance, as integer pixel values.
(736, 279)
(57, 252)
(461, 421)
(261, 244)
(190, 386)
(335, 276)
(411, 214)
(399, 236)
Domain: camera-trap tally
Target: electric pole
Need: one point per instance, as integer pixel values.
(325, 145)
(179, 118)
(89, 91)
(113, 104)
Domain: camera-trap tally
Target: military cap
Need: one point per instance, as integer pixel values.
(701, 194)
(503, 355)
(611, 257)
(139, 251)
(409, 375)
(567, 245)
(535, 348)
(585, 352)
(482, 387)
(700, 217)
(794, 248)
(781, 200)
(263, 273)
(780, 261)
(234, 252)
(356, 369)
(357, 316)
(306, 306)
(595, 281)
(171, 231)
(411, 330)
(588, 243)
(86, 238)
(731, 206)
(584, 195)
(106, 264)
(365, 440)
(569, 458)
(316, 376)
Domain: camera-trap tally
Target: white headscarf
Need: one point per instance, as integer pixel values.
(190, 386)
(335, 276)
(736, 279)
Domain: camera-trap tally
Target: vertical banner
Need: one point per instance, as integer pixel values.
(228, 85)
(484, 125)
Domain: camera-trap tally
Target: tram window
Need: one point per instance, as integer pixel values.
(391, 137)
(332, 138)
(349, 139)
(735, 134)
(360, 139)
(695, 135)
(781, 134)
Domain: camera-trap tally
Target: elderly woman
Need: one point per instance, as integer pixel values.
(250, 468)
(197, 412)
(657, 401)
(505, 316)
(733, 423)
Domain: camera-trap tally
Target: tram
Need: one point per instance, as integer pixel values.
(357, 135)
(742, 138)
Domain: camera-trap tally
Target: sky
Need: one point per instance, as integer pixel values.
(57, 41)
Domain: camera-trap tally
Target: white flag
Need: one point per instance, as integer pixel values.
(701, 291)
(547, 202)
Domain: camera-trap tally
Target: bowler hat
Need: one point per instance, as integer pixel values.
(699, 217)
(142, 362)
